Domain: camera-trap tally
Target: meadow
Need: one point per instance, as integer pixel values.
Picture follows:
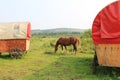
(42, 63)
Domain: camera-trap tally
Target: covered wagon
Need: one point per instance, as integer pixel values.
(106, 36)
(15, 38)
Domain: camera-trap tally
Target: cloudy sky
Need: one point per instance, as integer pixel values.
(47, 14)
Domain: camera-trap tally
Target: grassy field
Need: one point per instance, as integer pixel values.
(41, 63)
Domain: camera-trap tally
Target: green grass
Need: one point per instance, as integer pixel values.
(41, 63)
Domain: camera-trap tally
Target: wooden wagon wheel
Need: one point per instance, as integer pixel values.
(95, 63)
(16, 52)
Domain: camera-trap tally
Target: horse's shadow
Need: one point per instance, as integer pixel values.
(58, 53)
(48, 52)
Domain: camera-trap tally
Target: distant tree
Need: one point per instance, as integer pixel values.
(86, 34)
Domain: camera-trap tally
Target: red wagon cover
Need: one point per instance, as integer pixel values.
(106, 25)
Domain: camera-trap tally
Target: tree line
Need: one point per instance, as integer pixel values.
(86, 34)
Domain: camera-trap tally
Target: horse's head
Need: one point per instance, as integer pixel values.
(56, 48)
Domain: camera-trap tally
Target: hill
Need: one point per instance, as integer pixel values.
(58, 30)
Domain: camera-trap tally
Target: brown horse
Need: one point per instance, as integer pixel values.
(67, 42)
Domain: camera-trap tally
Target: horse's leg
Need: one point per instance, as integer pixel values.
(65, 48)
(75, 49)
(62, 48)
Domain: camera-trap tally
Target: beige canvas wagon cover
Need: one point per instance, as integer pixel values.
(15, 30)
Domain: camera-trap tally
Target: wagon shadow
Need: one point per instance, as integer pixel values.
(108, 71)
(6, 56)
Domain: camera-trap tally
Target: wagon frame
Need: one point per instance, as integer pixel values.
(17, 42)
(106, 36)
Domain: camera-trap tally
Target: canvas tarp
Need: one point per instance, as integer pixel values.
(15, 30)
(106, 25)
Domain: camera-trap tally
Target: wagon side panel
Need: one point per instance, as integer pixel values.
(17, 43)
(6, 45)
(108, 54)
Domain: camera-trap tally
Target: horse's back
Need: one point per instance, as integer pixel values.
(64, 40)
(73, 39)
(68, 40)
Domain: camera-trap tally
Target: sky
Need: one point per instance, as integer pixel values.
(49, 14)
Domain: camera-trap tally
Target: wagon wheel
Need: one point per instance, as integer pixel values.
(16, 52)
(95, 63)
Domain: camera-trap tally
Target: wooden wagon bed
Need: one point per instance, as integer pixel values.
(108, 54)
(7, 45)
